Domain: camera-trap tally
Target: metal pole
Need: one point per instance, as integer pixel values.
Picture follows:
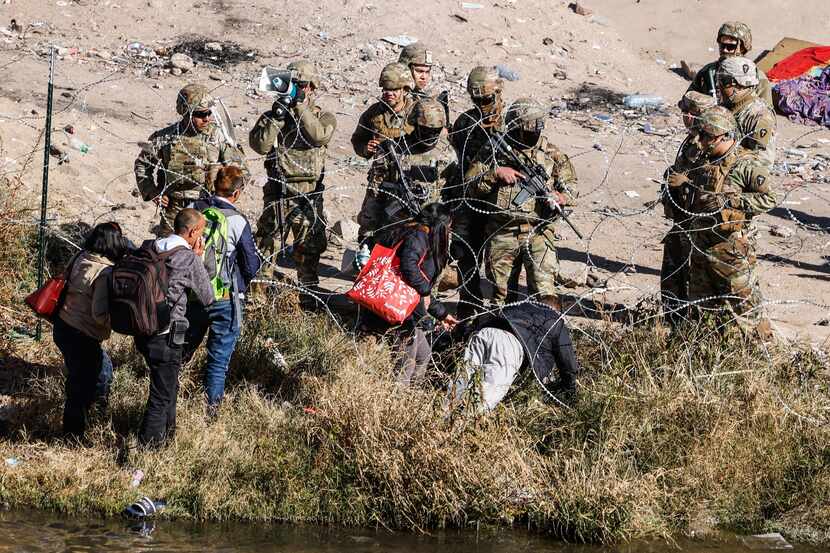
(41, 234)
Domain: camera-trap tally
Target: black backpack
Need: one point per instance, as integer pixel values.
(138, 292)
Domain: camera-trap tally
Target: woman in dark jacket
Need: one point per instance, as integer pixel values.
(83, 324)
(423, 255)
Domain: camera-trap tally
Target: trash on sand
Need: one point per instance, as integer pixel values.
(642, 101)
(631, 194)
(182, 61)
(507, 73)
(471, 6)
(649, 129)
(773, 540)
(579, 9)
(781, 232)
(400, 40)
(604, 117)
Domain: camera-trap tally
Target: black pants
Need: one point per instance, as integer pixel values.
(164, 361)
(88, 374)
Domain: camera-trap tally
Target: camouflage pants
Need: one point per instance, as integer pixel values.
(175, 203)
(308, 227)
(674, 275)
(724, 274)
(509, 250)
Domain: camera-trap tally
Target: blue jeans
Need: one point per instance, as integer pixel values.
(88, 374)
(219, 323)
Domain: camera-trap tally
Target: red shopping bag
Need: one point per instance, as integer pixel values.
(380, 288)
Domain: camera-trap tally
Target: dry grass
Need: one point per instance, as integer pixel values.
(667, 436)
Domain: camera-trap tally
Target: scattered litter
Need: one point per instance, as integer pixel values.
(197, 50)
(649, 129)
(579, 9)
(631, 194)
(823, 322)
(136, 478)
(507, 73)
(660, 61)
(773, 540)
(76, 143)
(459, 17)
(182, 62)
(323, 35)
(12, 461)
(346, 229)
(277, 357)
(213, 46)
(471, 6)
(796, 153)
(144, 507)
(400, 40)
(598, 146)
(547, 41)
(604, 117)
(642, 101)
(780, 231)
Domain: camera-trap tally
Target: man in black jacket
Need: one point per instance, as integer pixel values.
(515, 338)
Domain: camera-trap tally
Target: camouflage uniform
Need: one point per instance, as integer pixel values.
(728, 193)
(380, 121)
(674, 271)
(755, 119)
(426, 167)
(524, 235)
(296, 144)
(471, 135)
(704, 80)
(181, 162)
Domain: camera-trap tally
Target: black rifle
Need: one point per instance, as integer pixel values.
(444, 99)
(535, 183)
(407, 198)
(276, 176)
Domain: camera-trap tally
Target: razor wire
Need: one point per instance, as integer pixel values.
(344, 172)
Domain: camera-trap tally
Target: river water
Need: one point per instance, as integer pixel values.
(32, 532)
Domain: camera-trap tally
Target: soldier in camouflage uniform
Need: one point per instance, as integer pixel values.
(418, 59)
(425, 168)
(730, 187)
(674, 272)
(179, 163)
(522, 236)
(734, 39)
(471, 134)
(295, 140)
(756, 122)
(390, 118)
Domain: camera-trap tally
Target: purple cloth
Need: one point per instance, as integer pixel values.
(805, 100)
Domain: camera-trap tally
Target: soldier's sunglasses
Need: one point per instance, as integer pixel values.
(201, 114)
(728, 46)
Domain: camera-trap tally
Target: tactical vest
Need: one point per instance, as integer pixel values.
(299, 160)
(532, 211)
(191, 167)
(389, 124)
(712, 179)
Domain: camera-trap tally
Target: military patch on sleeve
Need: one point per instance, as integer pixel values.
(763, 133)
(759, 181)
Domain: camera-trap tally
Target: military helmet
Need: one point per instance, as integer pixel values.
(303, 71)
(741, 70)
(526, 114)
(415, 53)
(717, 121)
(193, 97)
(430, 114)
(696, 102)
(739, 31)
(484, 81)
(395, 76)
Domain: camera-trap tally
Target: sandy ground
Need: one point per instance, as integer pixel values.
(625, 46)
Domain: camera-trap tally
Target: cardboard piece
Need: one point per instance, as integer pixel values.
(785, 48)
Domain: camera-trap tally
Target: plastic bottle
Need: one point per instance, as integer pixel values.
(362, 256)
(643, 101)
(77, 144)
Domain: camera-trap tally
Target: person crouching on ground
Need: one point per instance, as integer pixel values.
(423, 254)
(231, 251)
(163, 351)
(515, 338)
(83, 324)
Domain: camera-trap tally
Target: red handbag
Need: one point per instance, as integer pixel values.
(47, 300)
(380, 288)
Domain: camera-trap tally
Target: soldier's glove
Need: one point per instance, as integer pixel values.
(279, 110)
(710, 203)
(676, 180)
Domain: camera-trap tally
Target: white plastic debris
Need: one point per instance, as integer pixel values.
(400, 40)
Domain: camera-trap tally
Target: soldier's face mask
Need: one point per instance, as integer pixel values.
(427, 137)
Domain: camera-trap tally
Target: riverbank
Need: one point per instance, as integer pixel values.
(667, 436)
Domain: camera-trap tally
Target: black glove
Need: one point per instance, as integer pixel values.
(279, 110)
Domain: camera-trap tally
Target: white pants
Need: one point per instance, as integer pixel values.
(492, 358)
